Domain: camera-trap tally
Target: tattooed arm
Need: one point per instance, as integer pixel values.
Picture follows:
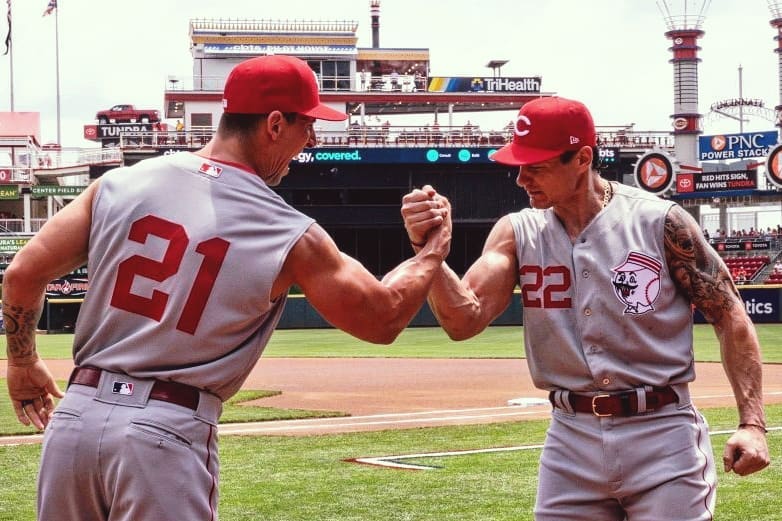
(701, 275)
(60, 247)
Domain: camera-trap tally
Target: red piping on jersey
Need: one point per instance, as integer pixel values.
(214, 481)
(705, 470)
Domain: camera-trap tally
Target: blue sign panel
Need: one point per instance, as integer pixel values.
(385, 156)
(762, 305)
(736, 146)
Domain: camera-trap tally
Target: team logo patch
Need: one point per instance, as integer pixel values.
(210, 170)
(125, 388)
(637, 283)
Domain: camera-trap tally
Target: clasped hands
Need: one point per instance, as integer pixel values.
(427, 217)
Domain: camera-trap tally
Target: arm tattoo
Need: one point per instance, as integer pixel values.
(696, 269)
(20, 325)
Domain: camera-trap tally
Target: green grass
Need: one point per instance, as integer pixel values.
(235, 410)
(292, 479)
(429, 342)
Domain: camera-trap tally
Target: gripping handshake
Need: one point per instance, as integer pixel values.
(427, 217)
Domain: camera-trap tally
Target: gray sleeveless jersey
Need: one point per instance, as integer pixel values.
(602, 313)
(183, 253)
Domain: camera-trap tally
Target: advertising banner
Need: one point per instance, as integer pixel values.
(762, 305)
(716, 181)
(736, 146)
(739, 245)
(483, 84)
(12, 244)
(9, 192)
(69, 286)
(254, 49)
(56, 190)
(385, 156)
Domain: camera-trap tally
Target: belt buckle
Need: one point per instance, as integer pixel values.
(594, 405)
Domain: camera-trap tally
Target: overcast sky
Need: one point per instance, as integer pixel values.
(611, 54)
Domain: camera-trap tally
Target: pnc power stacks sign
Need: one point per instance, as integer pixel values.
(736, 146)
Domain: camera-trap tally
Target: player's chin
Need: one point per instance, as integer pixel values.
(540, 203)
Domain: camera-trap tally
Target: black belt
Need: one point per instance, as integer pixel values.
(624, 403)
(172, 392)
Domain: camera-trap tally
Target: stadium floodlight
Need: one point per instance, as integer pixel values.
(775, 7)
(683, 14)
(684, 21)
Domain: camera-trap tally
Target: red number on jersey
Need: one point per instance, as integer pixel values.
(213, 251)
(554, 280)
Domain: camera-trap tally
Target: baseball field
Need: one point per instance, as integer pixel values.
(483, 471)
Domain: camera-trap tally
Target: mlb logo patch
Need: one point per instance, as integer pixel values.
(125, 388)
(210, 170)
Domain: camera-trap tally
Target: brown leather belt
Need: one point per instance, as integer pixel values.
(172, 392)
(619, 404)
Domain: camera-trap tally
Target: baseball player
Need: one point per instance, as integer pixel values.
(607, 275)
(190, 259)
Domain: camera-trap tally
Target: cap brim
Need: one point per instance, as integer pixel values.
(513, 154)
(322, 111)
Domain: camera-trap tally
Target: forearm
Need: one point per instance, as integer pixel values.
(743, 366)
(21, 311)
(407, 286)
(456, 308)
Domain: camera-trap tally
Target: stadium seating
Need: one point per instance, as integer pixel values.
(744, 269)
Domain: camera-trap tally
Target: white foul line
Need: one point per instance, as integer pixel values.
(396, 463)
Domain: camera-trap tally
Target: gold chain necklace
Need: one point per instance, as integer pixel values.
(608, 192)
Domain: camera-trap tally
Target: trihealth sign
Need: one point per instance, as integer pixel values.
(475, 84)
(736, 146)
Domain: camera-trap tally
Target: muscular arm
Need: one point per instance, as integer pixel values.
(60, 247)
(702, 276)
(466, 307)
(350, 297)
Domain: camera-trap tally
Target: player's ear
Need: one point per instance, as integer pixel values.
(584, 156)
(274, 123)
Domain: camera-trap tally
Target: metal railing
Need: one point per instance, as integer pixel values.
(15, 226)
(396, 136)
(39, 159)
(221, 25)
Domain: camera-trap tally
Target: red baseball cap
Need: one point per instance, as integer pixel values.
(268, 83)
(546, 127)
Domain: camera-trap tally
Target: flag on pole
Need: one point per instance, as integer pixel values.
(50, 7)
(8, 36)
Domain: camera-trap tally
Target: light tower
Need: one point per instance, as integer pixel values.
(374, 12)
(776, 22)
(684, 20)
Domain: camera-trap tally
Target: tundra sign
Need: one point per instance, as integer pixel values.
(716, 181)
(736, 146)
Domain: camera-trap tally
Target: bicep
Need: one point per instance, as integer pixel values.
(696, 268)
(493, 276)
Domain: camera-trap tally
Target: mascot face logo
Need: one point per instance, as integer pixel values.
(637, 283)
